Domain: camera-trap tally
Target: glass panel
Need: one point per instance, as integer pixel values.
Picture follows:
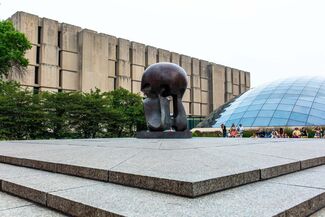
(275, 100)
(304, 103)
(289, 101)
(295, 123)
(284, 107)
(317, 113)
(251, 113)
(236, 115)
(278, 122)
(269, 106)
(266, 113)
(261, 122)
(255, 107)
(298, 117)
(281, 114)
(318, 106)
(301, 109)
(312, 120)
(258, 101)
(247, 122)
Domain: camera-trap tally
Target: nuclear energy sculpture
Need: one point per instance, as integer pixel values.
(162, 82)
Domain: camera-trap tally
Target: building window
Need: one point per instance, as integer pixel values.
(60, 78)
(36, 81)
(39, 34)
(59, 39)
(38, 50)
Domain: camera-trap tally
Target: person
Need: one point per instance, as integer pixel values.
(304, 133)
(296, 133)
(281, 133)
(224, 130)
(317, 132)
(274, 134)
(240, 129)
(233, 131)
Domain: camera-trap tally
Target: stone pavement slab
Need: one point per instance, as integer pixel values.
(188, 167)
(11, 206)
(81, 197)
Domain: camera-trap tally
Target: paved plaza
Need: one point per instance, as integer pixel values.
(184, 177)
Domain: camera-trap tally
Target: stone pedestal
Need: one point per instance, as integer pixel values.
(164, 135)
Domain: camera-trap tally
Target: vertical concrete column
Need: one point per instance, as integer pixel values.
(242, 82)
(235, 82)
(69, 76)
(151, 55)
(93, 49)
(229, 86)
(27, 24)
(248, 80)
(138, 63)
(186, 64)
(196, 87)
(123, 73)
(49, 59)
(217, 85)
(175, 58)
(204, 73)
(163, 55)
(112, 62)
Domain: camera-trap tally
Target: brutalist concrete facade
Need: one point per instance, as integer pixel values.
(65, 57)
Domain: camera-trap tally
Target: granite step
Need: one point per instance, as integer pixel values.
(189, 167)
(297, 194)
(11, 206)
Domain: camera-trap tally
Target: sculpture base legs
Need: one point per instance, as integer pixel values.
(164, 135)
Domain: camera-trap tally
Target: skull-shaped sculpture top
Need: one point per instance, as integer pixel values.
(159, 81)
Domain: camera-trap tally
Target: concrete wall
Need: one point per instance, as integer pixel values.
(65, 57)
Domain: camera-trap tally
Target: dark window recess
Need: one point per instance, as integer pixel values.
(36, 75)
(60, 60)
(38, 50)
(39, 34)
(59, 39)
(60, 78)
(36, 90)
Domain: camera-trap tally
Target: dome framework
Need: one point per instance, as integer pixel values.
(289, 102)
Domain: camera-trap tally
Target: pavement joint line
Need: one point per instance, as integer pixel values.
(124, 161)
(296, 185)
(17, 207)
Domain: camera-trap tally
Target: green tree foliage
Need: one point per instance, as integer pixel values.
(13, 46)
(24, 115)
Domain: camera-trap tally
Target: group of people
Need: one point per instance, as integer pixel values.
(238, 131)
(233, 131)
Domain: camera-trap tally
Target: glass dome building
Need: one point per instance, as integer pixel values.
(290, 102)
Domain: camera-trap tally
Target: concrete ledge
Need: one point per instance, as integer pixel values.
(85, 172)
(75, 208)
(275, 171)
(153, 183)
(24, 192)
(312, 162)
(177, 187)
(306, 208)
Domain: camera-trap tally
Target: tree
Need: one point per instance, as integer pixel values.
(130, 106)
(21, 115)
(13, 46)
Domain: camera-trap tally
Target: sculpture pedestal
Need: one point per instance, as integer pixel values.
(164, 135)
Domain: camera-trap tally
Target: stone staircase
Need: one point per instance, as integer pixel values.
(197, 177)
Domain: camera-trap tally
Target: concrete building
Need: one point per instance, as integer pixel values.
(65, 57)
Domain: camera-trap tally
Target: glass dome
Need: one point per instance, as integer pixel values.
(290, 102)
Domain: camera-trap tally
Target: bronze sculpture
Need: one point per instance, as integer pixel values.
(160, 81)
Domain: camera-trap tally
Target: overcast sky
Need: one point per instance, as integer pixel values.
(272, 39)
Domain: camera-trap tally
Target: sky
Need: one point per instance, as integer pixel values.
(272, 39)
